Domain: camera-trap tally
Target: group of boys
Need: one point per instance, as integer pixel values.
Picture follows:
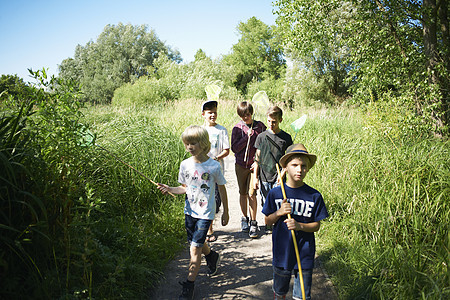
(257, 149)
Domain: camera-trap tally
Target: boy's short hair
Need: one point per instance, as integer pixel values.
(244, 108)
(275, 112)
(308, 161)
(197, 134)
(209, 105)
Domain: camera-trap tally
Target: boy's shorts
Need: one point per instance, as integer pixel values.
(196, 230)
(282, 278)
(244, 179)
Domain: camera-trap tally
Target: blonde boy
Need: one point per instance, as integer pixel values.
(198, 177)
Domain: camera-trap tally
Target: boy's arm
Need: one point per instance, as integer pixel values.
(224, 198)
(223, 154)
(306, 227)
(165, 189)
(255, 168)
(282, 211)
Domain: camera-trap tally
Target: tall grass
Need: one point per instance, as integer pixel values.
(106, 227)
(387, 236)
(140, 228)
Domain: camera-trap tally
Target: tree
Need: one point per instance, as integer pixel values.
(121, 54)
(13, 85)
(257, 55)
(311, 36)
(393, 47)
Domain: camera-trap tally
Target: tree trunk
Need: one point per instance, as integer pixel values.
(443, 19)
(430, 42)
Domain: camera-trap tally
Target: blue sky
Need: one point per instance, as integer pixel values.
(37, 34)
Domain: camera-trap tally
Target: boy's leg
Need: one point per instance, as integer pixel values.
(253, 231)
(212, 260)
(307, 280)
(281, 280)
(195, 262)
(265, 187)
(197, 230)
(242, 177)
(253, 204)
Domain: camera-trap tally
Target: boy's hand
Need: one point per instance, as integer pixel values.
(225, 218)
(255, 184)
(284, 209)
(164, 188)
(291, 224)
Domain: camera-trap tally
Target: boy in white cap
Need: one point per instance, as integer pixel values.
(220, 147)
(307, 209)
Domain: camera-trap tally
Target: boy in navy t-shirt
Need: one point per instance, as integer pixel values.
(307, 209)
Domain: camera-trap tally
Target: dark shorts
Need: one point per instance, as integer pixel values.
(282, 278)
(196, 230)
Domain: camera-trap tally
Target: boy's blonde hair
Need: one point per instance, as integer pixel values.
(275, 112)
(197, 134)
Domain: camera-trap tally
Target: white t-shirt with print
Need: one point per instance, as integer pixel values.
(218, 136)
(200, 180)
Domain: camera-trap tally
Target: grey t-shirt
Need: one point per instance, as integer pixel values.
(272, 147)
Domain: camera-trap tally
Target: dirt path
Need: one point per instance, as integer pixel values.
(245, 271)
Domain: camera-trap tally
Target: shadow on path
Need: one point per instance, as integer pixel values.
(245, 271)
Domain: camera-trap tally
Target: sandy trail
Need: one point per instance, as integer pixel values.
(245, 271)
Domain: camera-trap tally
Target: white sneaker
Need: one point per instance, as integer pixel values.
(244, 224)
(253, 233)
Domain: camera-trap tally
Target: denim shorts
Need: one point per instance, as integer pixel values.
(282, 278)
(196, 230)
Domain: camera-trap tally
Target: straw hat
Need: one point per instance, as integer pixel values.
(297, 149)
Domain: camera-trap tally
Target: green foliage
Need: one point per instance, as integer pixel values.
(257, 55)
(121, 54)
(387, 236)
(381, 46)
(311, 34)
(172, 81)
(13, 85)
(272, 86)
(76, 222)
(303, 89)
(38, 140)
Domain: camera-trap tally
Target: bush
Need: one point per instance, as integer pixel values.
(303, 89)
(171, 81)
(273, 87)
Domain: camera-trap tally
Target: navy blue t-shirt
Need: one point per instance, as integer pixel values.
(307, 207)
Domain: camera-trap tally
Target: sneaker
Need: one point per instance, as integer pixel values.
(244, 224)
(268, 229)
(253, 233)
(212, 261)
(188, 291)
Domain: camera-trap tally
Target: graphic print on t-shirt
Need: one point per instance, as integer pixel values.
(299, 207)
(198, 189)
